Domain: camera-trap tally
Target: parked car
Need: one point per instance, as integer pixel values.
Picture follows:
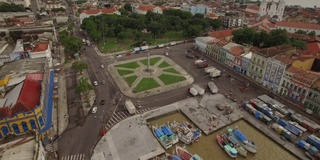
(103, 82)
(166, 53)
(102, 66)
(95, 83)
(118, 55)
(190, 56)
(102, 102)
(94, 110)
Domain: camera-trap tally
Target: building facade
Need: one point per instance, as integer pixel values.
(293, 27)
(272, 9)
(295, 84)
(199, 8)
(143, 9)
(312, 101)
(275, 69)
(234, 20)
(245, 63)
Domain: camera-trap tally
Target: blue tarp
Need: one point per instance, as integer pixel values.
(48, 119)
(293, 129)
(166, 130)
(240, 135)
(158, 132)
(176, 158)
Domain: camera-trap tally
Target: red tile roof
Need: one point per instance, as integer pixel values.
(212, 15)
(146, 8)
(40, 47)
(297, 72)
(96, 11)
(222, 34)
(254, 8)
(35, 76)
(5, 112)
(284, 59)
(313, 46)
(222, 43)
(298, 25)
(237, 50)
(29, 96)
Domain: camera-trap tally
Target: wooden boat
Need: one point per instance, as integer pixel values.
(183, 153)
(244, 141)
(231, 151)
(164, 140)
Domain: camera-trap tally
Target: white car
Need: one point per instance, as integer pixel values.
(102, 66)
(95, 83)
(94, 110)
(118, 55)
(166, 53)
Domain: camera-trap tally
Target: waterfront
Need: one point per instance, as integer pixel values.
(208, 148)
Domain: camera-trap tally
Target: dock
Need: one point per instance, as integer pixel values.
(207, 114)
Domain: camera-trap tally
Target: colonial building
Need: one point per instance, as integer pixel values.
(258, 62)
(201, 43)
(233, 20)
(312, 101)
(293, 27)
(214, 50)
(143, 9)
(233, 52)
(295, 84)
(275, 69)
(245, 63)
(95, 12)
(272, 9)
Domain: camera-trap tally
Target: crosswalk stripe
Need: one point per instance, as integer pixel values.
(120, 115)
(113, 120)
(116, 118)
(124, 114)
(74, 157)
(108, 125)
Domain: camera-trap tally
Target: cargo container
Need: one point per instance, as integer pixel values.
(213, 87)
(313, 150)
(301, 144)
(143, 48)
(293, 129)
(282, 123)
(257, 114)
(215, 73)
(266, 120)
(313, 140)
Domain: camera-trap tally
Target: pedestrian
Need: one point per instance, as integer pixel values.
(130, 126)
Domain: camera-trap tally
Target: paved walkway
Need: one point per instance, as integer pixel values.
(128, 90)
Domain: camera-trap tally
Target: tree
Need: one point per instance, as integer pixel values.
(121, 36)
(128, 7)
(298, 43)
(79, 66)
(279, 37)
(72, 44)
(7, 7)
(84, 86)
(312, 33)
(301, 32)
(156, 28)
(193, 31)
(198, 15)
(216, 23)
(123, 11)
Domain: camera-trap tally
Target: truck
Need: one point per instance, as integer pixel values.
(213, 88)
(202, 65)
(215, 73)
(198, 61)
(130, 107)
(199, 89)
(210, 69)
(193, 91)
(142, 48)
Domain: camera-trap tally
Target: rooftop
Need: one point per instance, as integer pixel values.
(40, 47)
(298, 25)
(12, 97)
(222, 34)
(234, 48)
(254, 8)
(284, 59)
(313, 46)
(96, 11)
(303, 73)
(20, 149)
(269, 52)
(149, 7)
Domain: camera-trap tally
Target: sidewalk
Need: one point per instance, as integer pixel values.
(63, 116)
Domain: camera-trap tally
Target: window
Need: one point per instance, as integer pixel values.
(260, 71)
(299, 89)
(310, 94)
(291, 85)
(295, 88)
(262, 62)
(304, 92)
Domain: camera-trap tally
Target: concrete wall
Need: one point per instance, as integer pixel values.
(305, 65)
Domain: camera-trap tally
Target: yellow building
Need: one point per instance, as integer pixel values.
(4, 80)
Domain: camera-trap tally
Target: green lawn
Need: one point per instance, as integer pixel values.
(172, 70)
(146, 84)
(112, 45)
(170, 79)
(124, 72)
(131, 79)
(152, 61)
(163, 64)
(132, 65)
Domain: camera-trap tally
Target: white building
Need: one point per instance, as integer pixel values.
(271, 8)
(233, 21)
(293, 27)
(42, 50)
(245, 63)
(232, 51)
(198, 8)
(201, 43)
(143, 9)
(95, 12)
(275, 69)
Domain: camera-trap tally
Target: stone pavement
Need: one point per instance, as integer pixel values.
(63, 116)
(128, 90)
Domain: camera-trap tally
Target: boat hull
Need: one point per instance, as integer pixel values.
(183, 153)
(164, 141)
(225, 146)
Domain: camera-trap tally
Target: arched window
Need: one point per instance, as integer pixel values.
(15, 128)
(24, 126)
(4, 130)
(40, 121)
(33, 124)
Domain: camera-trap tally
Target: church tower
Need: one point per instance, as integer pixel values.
(280, 9)
(263, 8)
